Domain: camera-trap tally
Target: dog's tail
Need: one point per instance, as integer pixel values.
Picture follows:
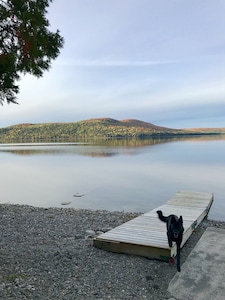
(161, 216)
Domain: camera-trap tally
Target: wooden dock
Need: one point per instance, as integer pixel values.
(146, 234)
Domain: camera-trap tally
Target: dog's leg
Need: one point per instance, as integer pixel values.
(178, 257)
(169, 240)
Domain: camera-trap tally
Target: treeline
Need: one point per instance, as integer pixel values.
(92, 129)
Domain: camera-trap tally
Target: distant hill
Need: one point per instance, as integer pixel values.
(94, 128)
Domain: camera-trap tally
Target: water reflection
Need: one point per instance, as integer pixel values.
(109, 147)
(125, 175)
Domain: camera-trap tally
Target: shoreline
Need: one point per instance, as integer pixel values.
(64, 207)
(47, 253)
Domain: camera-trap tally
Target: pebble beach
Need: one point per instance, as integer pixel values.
(49, 254)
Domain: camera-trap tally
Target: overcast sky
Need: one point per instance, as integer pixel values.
(160, 61)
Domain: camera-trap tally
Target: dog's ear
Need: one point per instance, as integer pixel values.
(181, 219)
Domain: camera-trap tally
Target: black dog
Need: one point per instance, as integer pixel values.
(175, 231)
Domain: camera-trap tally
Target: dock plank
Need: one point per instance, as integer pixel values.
(146, 235)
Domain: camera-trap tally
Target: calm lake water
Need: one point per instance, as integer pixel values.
(113, 175)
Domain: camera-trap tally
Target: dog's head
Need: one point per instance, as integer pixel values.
(177, 227)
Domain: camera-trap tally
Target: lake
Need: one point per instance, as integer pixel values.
(134, 175)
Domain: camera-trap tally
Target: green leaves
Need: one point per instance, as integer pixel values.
(26, 44)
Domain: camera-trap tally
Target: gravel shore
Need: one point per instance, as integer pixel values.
(49, 254)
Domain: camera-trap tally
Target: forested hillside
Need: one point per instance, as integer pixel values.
(93, 128)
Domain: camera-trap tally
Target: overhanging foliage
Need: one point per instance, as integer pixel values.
(26, 43)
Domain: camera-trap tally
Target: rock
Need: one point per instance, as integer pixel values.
(90, 233)
(78, 195)
(66, 202)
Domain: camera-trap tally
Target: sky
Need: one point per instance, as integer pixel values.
(160, 61)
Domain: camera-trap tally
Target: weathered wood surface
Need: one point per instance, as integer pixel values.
(146, 234)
